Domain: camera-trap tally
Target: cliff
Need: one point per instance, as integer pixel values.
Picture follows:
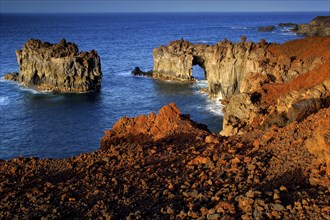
(226, 63)
(57, 67)
(297, 85)
(165, 166)
(319, 26)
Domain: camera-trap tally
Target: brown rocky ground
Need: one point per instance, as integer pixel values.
(167, 167)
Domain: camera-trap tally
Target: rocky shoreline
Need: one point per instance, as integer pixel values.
(319, 26)
(271, 161)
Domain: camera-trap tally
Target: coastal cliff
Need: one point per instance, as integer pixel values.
(296, 85)
(57, 67)
(226, 64)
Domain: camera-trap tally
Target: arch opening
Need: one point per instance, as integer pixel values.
(198, 73)
(198, 70)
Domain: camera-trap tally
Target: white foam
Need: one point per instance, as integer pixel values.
(126, 73)
(238, 28)
(289, 33)
(33, 91)
(214, 106)
(4, 100)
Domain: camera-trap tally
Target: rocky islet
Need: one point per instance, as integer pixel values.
(57, 67)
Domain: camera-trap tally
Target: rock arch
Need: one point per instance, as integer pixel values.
(225, 63)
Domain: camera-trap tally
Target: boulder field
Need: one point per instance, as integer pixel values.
(57, 67)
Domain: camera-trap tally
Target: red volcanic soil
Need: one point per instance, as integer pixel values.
(302, 49)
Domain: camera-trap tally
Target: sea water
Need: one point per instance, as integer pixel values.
(61, 125)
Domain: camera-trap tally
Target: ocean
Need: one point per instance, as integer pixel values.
(62, 125)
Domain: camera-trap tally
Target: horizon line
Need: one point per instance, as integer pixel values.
(151, 12)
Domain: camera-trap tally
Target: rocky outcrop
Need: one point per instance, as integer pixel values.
(266, 28)
(299, 89)
(319, 26)
(138, 72)
(57, 67)
(151, 128)
(288, 24)
(226, 64)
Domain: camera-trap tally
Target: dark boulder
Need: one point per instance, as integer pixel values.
(138, 72)
(266, 28)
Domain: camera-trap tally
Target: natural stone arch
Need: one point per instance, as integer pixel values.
(198, 61)
(225, 63)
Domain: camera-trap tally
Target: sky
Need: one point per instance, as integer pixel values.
(104, 6)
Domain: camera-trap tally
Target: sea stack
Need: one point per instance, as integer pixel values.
(57, 67)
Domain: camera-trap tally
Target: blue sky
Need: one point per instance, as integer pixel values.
(90, 6)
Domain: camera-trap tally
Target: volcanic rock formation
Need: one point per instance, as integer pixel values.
(57, 67)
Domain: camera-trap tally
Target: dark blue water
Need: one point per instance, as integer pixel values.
(48, 125)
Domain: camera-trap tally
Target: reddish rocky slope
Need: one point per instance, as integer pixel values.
(145, 172)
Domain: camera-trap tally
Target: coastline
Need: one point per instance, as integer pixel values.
(272, 162)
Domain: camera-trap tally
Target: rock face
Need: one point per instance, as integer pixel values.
(319, 26)
(296, 86)
(57, 67)
(226, 64)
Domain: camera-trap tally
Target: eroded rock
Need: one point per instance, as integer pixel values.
(57, 67)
